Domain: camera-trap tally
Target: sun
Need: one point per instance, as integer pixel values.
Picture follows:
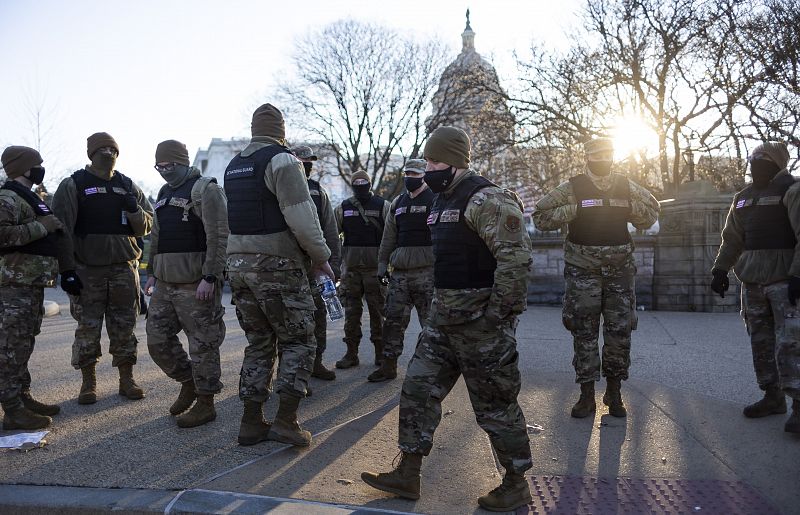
(632, 136)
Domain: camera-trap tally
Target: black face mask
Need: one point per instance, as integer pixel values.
(763, 171)
(439, 180)
(308, 166)
(413, 183)
(37, 174)
(601, 168)
(103, 162)
(362, 192)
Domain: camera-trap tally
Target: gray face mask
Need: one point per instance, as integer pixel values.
(175, 176)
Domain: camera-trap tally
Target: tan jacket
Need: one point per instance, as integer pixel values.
(401, 258)
(98, 249)
(331, 232)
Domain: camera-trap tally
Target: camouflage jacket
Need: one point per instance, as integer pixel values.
(764, 266)
(402, 258)
(559, 207)
(496, 215)
(18, 226)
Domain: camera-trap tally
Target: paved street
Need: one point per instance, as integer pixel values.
(690, 376)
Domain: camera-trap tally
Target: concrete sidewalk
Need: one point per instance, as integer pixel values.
(684, 442)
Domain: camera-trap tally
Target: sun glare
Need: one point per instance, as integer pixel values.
(631, 137)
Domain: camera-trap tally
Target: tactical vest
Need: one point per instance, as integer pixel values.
(101, 204)
(316, 195)
(602, 215)
(179, 229)
(47, 246)
(359, 232)
(411, 216)
(252, 207)
(462, 258)
(764, 218)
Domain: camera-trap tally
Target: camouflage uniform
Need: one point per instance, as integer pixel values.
(472, 333)
(599, 281)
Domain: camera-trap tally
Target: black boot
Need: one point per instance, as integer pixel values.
(403, 480)
(773, 403)
(586, 404)
(350, 358)
(38, 407)
(613, 398)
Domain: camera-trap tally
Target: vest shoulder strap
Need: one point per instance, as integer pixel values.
(199, 188)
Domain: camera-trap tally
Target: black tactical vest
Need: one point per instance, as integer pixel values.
(179, 229)
(47, 246)
(316, 195)
(764, 217)
(101, 204)
(602, 215)
(462, 258)
(411, 216)
(252, 207)
(359, 232)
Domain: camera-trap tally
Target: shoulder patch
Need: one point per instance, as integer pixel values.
(512, 223)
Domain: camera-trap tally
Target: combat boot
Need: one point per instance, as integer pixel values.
(512, 493)
(185, 398)
(37, 407)
(285, 428)
(127, 385)
(17, 416)
(613, 398)
(773, 403)
(88, 393)
(387, 371)
(201, 413)
(403, 480)
(350, 358)
(378, 353)
(793, 424)
(586, 404)
(253, 428)
(320, 372)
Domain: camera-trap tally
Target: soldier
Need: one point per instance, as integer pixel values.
(360, 219)
(28, 250)
(103, 212)
(483, 255)
(187, 258)
(406, 244)
(274, 231)
(759, 242)
(327, 221)
(598, 268)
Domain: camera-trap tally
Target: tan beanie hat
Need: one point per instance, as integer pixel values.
(99, 140)
(172, 151)
(268, 121)
(775, 151)
(17, 160)
(596, 145)
(361, 174)
(449, 145)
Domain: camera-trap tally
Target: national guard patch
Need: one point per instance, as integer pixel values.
(451, 215)
(419, 209)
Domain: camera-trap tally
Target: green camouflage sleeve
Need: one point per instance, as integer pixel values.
(496, 215)
(644, 207)
(214, 206)
(331, 232)
(555, 209)
(732, 241)
(65, 207)
(389, 240)
(153, 245)
(13, 233)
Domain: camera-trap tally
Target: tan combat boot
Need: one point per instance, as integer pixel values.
(17, 416)
(37, 407)
(613, 398)
(773, 403)
(387, 371)
(403, 480)
(127, 385)
(253, 428)
(793, 424)
(201, 413)
(586, 404)
(320, 372)
(285, 428)
(350, 359)
(185, 398)
(88, 393)
(512, 493)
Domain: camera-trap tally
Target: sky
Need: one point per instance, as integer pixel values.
(146, 71)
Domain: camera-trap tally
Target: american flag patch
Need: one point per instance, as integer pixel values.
(400, 211)
(44, 208)
(740, 204)
(350, 212)
(160, 203)
(90, 191)
(592, 202)
(433, 217)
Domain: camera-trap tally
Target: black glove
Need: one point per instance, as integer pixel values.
(130, 203)
(71, 283)
(720, 282)
(794, 289)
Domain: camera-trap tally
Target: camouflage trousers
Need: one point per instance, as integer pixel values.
(486, 355)
(356, 285)
(174, 308)
(320, 318)
(275, 310)
(21, 314)
(110, 292)
(609, 292)
(774, 328)
(407, 289)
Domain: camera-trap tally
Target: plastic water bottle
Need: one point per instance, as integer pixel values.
(328, 292)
